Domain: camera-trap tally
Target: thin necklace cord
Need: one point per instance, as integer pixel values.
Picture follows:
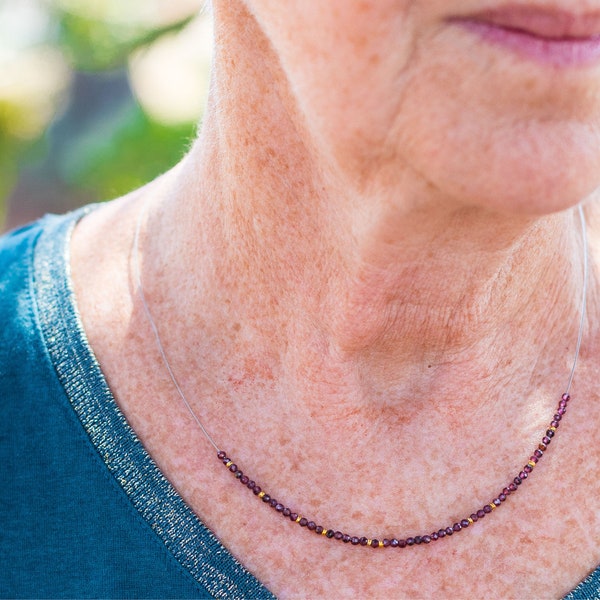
(583, 295)
(138, 279)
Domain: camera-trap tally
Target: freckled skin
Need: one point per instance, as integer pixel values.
(368, 296)
(400, 473)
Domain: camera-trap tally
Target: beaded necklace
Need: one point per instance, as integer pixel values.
(360, 540)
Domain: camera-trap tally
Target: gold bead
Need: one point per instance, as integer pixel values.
(228, 464)
(380, 544)
(531, 464)
(493, 506)
(369, 542)
(470, 521)
(552, 428)
(261, 494)
(298, 519)
(324, 532)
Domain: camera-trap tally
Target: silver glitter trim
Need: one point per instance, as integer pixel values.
(190, 542)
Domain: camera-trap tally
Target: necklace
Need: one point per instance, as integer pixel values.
(355, 540)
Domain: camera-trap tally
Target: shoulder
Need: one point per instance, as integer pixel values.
(18, 271)
(17, 248)
(16, 251)
(16, 293)
(31, 257)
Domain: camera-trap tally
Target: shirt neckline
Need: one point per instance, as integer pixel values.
(192, 544)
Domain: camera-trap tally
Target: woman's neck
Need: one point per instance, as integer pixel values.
(371, 277)
(370, 300)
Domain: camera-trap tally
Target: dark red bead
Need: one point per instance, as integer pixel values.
(293, 516)
(512, 487)
(257, 490)
(250, 485)
(502, 497)
(418, 539)
(233, 468)
(238, 474)
(329, 533)
(546, 440)
(562, 405)
(518, 480)
(481, 513)
(244, 480)
(287, 512)
(554, 424)
(534, 459)
(266, 498)
(474, 517)
(394, 543)
(273, 502)
(487, 509)
(386, 543)
(464, 523)
(457, 527)
(355, 541)
(497, 502)
(303, 522)
(538, 453)
(435, 536)
(565, 397)
(410, 541)
(449, 531)
(312, 525)
(426, 539)
(363, 541)
(527, 469)
(557, 417)
(374, 543)
(338, 535)
(346, 538)
(221, 455)
(226, 460)
(279, 507)
(401, 543)
(550, 433)
(442, 533)
(319, 529)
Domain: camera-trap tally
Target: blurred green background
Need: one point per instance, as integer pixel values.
(97, 97)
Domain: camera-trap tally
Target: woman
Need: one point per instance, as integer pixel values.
(366, 278)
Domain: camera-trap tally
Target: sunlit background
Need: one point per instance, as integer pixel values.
(97, 97)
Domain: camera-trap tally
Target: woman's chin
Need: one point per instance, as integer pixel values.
(536, 193)
(542, 173)
(536, 203)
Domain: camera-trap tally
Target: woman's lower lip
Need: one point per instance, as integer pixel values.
(558, 52)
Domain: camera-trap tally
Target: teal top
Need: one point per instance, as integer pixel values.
(84, 510)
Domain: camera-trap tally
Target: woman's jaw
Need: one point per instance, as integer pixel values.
(385, 88)
(392, 106)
